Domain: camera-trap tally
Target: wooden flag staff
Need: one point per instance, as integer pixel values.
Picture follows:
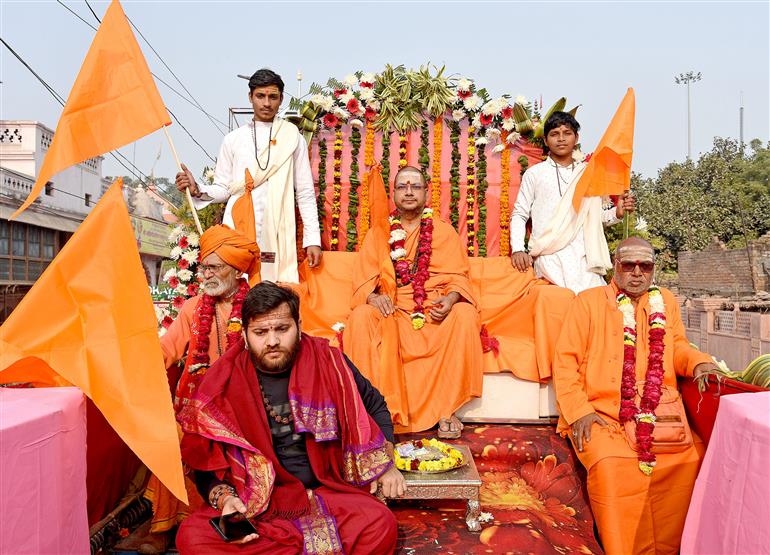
(187, 191)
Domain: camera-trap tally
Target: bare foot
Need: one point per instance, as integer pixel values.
(449, 428)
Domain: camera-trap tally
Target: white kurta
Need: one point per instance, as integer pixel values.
(237, 154)
(539, 196)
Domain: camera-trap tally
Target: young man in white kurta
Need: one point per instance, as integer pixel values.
(542, 188)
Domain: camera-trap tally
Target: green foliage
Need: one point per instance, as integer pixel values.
(725, 194)
(355, 141)
(454, 174)
(481, 194)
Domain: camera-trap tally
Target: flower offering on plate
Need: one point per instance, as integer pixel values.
(427, 455)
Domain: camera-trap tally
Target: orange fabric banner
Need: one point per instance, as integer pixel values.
(113, 102)
(609, 170)
(89, 322)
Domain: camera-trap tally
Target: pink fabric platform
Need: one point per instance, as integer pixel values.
(730, 507)
(43, 471)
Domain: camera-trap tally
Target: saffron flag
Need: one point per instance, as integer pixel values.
(89, 322)
(609, 170)
(113, 102)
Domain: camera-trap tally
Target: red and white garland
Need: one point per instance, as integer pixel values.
(653, 384)
(418, 274)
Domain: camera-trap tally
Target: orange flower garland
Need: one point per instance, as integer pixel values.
(435, 180)
(505, 211)
(470, 193)
(337, 188)
(363, 199)
(369, 144)
(401, 150)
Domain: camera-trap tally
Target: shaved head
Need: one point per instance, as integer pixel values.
(634, 243)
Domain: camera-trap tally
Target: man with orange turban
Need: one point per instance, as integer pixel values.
(206, 326)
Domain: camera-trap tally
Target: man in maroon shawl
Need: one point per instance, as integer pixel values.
(287, 432)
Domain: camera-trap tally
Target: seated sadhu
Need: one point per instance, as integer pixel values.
(615, 373)
(414, 329)
(284, 430)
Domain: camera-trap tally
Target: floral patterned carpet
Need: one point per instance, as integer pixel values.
(532, 486)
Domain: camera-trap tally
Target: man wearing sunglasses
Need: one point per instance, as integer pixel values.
(206, 326)
(615, 373)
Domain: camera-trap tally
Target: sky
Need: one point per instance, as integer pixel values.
(589, 52)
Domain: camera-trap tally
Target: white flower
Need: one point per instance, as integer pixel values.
(641, 224)
(513, 137)
(350, 80)
(168, 275)
(398, 253)
(509, 124)
(184, 275)
(490, 109)
(368, 77)
(374, 105)
(472, 102)
(397, 235)
(356, 123)
(458, 115)
(176, 252)
(521, 100)
(498, 148)
(464, 84)
(159, 312)
(191, 256)
(492, 133)
(323, 101)
(181, 289)
(342, 114)
(338, 327)
(366, 94)
(193, 239)
(347, 97)
(208, 175)
(173, 237)
(486, 517)
(162, 331)
(481, 141)
(476, 121)
(578, 156)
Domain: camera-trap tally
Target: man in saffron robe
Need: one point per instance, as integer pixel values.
(287, 432)
(615, 370)
(262, 168)
(414, 329)
(205, 327)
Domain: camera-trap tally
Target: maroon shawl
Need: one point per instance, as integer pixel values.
(227, 432)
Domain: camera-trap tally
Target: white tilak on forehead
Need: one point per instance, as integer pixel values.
(637, 253)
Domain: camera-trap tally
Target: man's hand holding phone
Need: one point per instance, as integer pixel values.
(233, 526)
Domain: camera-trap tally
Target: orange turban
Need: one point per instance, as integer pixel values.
(234, 249)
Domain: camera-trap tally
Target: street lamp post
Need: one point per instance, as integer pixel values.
(686, 79)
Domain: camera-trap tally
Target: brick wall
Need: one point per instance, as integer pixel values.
(721, 271)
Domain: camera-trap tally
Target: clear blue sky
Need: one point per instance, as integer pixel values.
(589, 52)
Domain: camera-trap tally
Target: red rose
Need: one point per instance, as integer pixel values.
(331, 121)
(183, 242)
(183, 264)
(371, 113)
(353, 106)
(485, 119)
(507, 112)
(166, 322)
(178, 301)
(173, 282)
(192, 289)
(464, 94)
(339, 92)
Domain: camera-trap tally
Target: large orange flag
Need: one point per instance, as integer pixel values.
(609, 170)
(113, 102)
(89, 322)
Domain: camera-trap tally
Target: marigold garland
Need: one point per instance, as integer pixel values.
(454, 175)
(435, 180)
(323, 150)
(644, 414)
(505, 183)
(401, 150)
(369, 144)
(453, 457)
(355, 182)
(481, 200)
(337, 189)
(470, 193)
(418, 274)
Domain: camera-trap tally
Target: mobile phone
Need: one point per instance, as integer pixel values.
(232, 526)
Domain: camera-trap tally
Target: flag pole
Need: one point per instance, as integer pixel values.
(187, 190)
